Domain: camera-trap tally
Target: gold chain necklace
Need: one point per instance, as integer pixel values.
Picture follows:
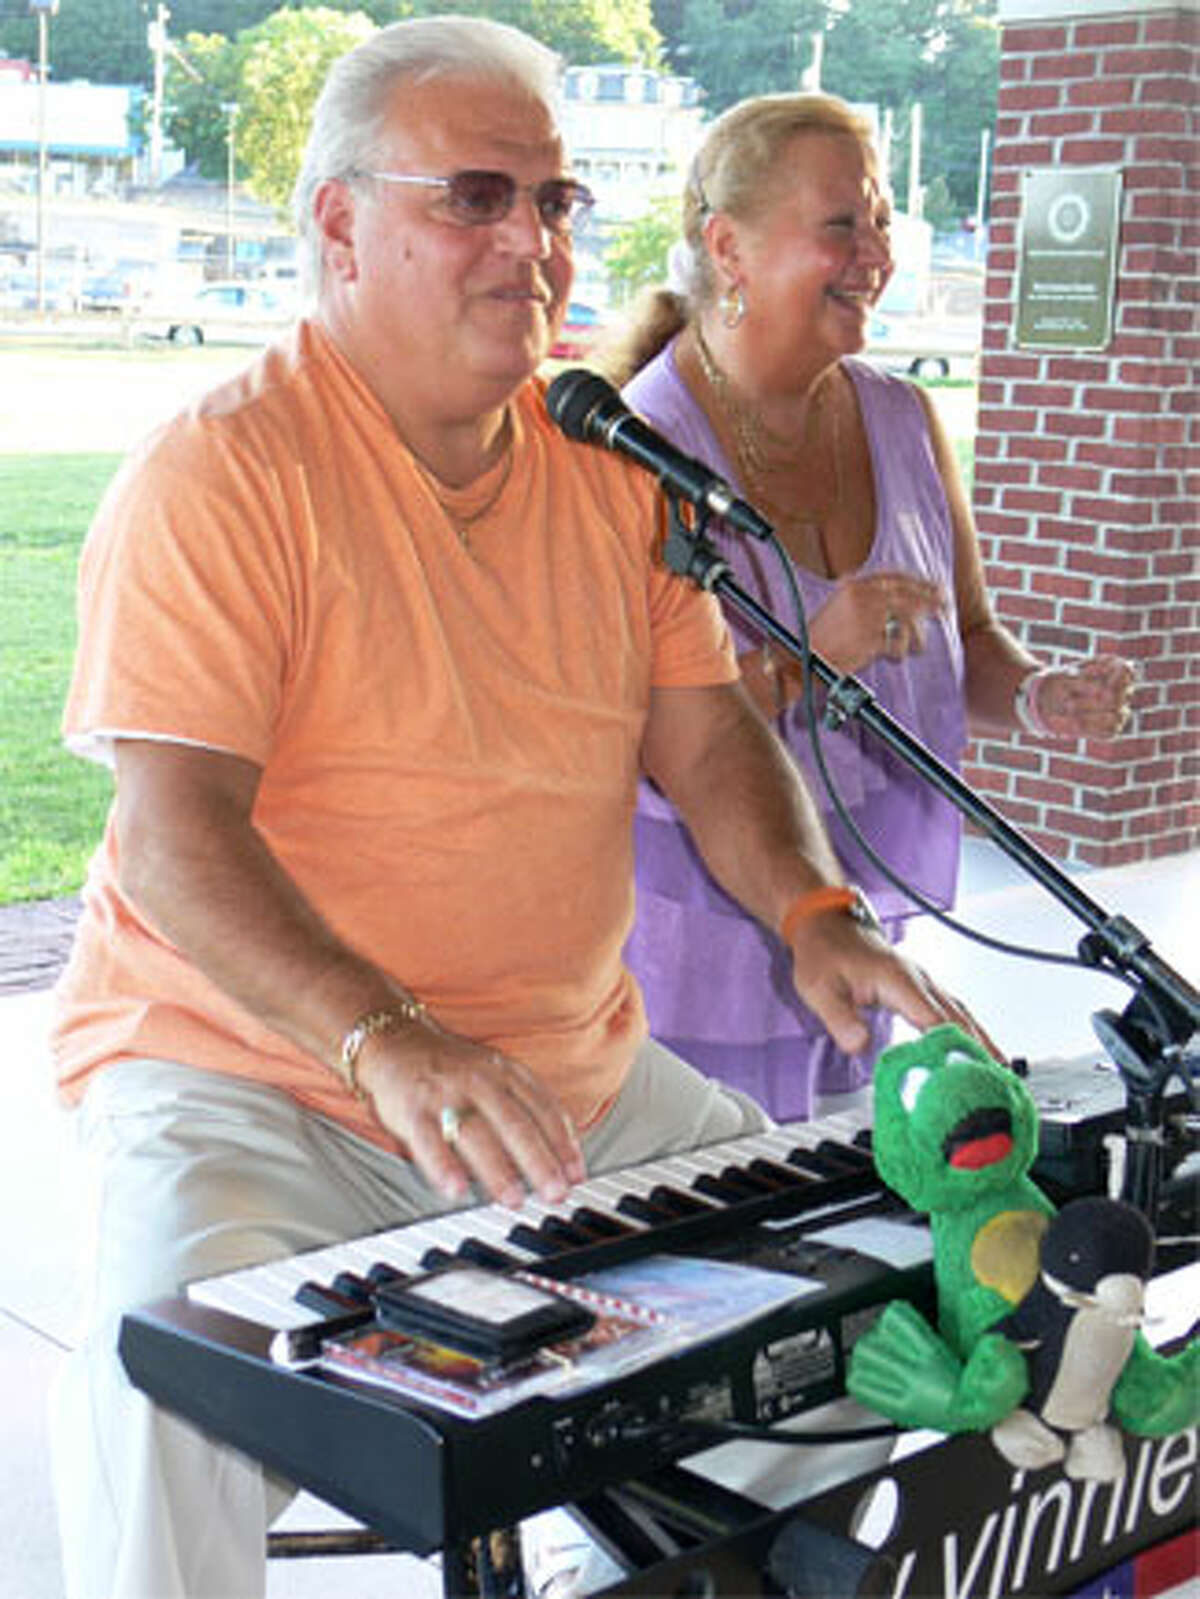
(463, 521)
(749, 429)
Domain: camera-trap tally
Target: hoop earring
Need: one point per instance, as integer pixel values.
(733, 305)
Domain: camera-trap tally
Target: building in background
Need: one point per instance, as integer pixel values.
(91, 133)
(631, 133)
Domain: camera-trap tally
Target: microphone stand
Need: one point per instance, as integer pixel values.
(1148, 1040)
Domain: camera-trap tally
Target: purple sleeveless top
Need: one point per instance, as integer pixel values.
(718, 988)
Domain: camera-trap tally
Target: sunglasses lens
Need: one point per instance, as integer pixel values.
(561, 203)
(481, 197)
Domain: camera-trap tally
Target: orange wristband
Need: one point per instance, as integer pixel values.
(812, 902)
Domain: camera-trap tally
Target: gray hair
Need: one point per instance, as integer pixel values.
(349, 118)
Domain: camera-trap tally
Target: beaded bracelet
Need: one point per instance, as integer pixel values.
(1025, 702)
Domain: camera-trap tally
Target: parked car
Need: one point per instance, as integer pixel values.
(581, 328)
(119, 286)
(230, 312)
(19, 291)
(924, 347)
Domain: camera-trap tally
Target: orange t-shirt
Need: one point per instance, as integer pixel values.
(449, 736)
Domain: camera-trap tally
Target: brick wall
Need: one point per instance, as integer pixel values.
(1087, 465)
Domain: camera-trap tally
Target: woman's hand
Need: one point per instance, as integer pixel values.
(1083, 699)
(881, 613)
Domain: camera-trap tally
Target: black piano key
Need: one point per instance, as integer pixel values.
(534, 1240)
(325, 1300)
(481, 1253)
(355, 1288)
(781, 1176)
(380, 1272)
(600, 1225)
(677, 1202)
(852, 1158)
(565, 1233)
(643, 1209)
(754, 1179)
(817, 1163)
(435, 1257)
(728, 1187)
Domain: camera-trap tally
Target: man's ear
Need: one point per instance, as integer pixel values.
(334, 214)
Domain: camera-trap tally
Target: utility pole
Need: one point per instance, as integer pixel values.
(810, 78)
(44, 10)
(230, 109)
(981, 191)
(156, 36)
(886, 130)
(916, 205)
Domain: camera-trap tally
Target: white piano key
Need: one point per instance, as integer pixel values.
(266, 1293)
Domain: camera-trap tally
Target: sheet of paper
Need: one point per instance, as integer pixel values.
(896, 1243)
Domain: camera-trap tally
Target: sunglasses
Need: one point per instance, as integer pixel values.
(477, 199)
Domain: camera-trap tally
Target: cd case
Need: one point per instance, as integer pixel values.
(642, 1312)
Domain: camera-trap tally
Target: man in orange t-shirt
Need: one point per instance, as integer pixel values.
(377, 657)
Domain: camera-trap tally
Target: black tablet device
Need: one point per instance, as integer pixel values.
(486, 1314)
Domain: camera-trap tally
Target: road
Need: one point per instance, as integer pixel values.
(65, 400)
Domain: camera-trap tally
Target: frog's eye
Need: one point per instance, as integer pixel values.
(911, 1085)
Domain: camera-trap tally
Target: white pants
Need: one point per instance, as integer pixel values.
(195, 1174)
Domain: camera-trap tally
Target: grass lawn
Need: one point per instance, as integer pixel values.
(52, 805)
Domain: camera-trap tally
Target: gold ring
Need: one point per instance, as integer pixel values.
(451, 1122)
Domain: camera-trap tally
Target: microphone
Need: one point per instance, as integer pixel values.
(587, 408)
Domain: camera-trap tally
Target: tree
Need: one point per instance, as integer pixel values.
(103, 41)
(943, 54)
(637, 253)
(201, 80)
(283, 63)
(736, 49)
(580, 31)
(224, 17)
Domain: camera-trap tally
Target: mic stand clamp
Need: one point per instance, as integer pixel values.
(688, 551)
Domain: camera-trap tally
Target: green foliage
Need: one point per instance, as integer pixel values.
(103, 41)
(890, 53)
(283, 65)
(273, 71)
(195, 120)
(637, 253)
(735, 51)
(52, 805)
(580, 31)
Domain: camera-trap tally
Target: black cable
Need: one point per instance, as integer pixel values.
(1024, 951)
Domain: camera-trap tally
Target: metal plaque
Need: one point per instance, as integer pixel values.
(1070, 220)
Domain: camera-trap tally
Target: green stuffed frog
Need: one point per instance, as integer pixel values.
(955, 1136)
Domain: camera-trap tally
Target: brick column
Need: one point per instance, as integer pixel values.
(1087, 466)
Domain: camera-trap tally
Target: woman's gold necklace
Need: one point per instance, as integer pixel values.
(749, 431)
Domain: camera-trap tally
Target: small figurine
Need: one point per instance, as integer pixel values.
(1076, 1328)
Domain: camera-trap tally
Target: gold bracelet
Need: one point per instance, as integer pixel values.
(367, 1026)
